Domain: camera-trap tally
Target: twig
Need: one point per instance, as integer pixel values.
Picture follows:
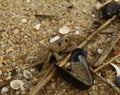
(99, 29)
(111, 85)
(105, 64)
(47, 77)
(107, 51)
(50, 74)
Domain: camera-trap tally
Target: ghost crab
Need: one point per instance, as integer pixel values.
(56, 49)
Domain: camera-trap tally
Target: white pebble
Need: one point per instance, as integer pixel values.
(100, 51)
(54, 39)
(0, 72)
(64, 30)
(37, 26)
(4, 89)
(16, 31)
(28, 1)
(23, 20)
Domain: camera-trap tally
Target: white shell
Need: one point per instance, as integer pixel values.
(116, 68)
(23, 20)
(100, 51)
(4, 89)
(37, 26)
(16, 84)
(27, 74)
(64, 30)
(54, 39)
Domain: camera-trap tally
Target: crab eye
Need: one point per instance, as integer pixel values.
(59, 44)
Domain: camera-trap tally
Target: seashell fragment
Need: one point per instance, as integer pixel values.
(64, 30)
(16, 84)
(117, 79)
(4, 90)
(27, 74)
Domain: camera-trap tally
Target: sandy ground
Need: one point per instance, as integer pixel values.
(22, 36)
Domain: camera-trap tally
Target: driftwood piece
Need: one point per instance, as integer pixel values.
(111, 85)
(105, 64)
(107, 51)
(50, 74)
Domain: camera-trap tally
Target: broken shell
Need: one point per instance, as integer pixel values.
(117, 79)
(79, 75)
(100, 51)
(27, 74)
(16, 84)
(4, 90)
(64, 30)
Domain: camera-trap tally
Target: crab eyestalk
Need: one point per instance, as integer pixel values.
(117, 79)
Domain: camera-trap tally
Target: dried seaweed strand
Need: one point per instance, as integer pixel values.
(105, 64)
(107, 51)
(47, 77)
(111, 85)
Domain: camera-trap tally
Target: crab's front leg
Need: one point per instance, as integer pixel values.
(57, 56)
(71, 47)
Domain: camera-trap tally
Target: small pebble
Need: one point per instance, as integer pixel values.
(16, 31)
(84, 11)
(23, 20)
(93, 16)
(64, 30)
(17, 93)
(100, 51)
(32, 70)
(54, 39)
(37, 26)
(4, 89)
(28, 1)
